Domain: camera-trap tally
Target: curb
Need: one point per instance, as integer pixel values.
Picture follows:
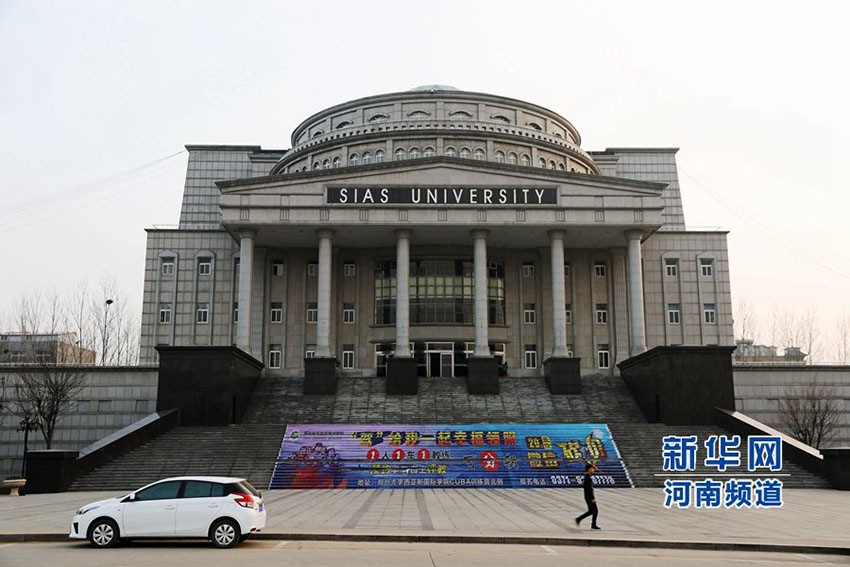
(510, 540)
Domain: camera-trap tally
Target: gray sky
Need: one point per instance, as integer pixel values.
(754, 93)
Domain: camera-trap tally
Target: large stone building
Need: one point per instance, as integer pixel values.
(458, 224)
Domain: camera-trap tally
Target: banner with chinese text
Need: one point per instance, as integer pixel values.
(447, 456)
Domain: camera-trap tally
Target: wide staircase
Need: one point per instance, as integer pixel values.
(249, 449)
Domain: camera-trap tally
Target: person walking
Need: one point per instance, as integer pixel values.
(589, 497)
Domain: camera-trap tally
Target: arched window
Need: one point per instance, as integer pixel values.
(429, 152)
(353, 159)
(326, 164)
(367, 158)
(500, 156)
(512, 158)
(464, 153)
(337, 162)
(561, 166)
(525, 160)
(379, 156)
(541, 163)
(418, 115)
(451, 152)
(479, 154)
(414, 153)
(534, 125)
(399, 154)
(460, 114)
(344, 124)
(317, 165)
(552, 164)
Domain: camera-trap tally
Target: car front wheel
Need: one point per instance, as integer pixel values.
(103, 533)
(225, 533)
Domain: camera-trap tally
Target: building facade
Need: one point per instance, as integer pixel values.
(45, 348)
(454, 223)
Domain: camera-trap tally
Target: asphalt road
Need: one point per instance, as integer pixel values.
(317, 554)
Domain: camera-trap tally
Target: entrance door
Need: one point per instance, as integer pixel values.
(440, 360)
(446, 364)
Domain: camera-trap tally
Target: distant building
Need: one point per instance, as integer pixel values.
(52, 348)
(749, 353)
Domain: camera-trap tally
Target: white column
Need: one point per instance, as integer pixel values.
(246, 271)
(482, 347)
(559, 300)
(637, 324)
(402, 297)
(323, 321)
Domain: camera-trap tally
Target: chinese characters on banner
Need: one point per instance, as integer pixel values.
(446, 456)
(722, 454)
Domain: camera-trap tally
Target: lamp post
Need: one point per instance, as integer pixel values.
(28, 423)
(105, 332)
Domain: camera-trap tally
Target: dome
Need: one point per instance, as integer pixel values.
(432, 88)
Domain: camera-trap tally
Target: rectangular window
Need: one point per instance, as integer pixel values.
(168, 267)
(349, 270)
(602, 313)
(599, 269)
(706, 268)
(530, 356)
(312, 312)
(603, 357)
(569, 313)
(312, 269)
(277, 268)
(310, 351)
(348, 313)
(529, 316)
(275, 356)
(568, 270)
(671, 267)
(673, 316)
(277, 312)
(235, 311)
(165, 313)
(203, 313)
(709, 313)
(204, 266)
(347, 357)
(527, 270)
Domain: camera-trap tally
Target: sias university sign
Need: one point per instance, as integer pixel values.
(509, 196)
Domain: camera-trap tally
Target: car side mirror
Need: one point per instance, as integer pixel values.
(130, 498)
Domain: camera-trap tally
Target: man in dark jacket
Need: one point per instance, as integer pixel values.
(589, 497)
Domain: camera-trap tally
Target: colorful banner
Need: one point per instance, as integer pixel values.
(482, 455)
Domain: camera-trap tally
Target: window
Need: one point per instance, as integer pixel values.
(168, 267)
(552, 164)
(530, 356)
(399, 154)
(348, 313)
(367, 158)
(353, 159)
(165, 313)
(347, 357)
(512, 158)
(603, 357)
(529, 315)
(671, 267)
(561, 166)
(568, 271)
(602, 313)
(525, 160)
(235, 311)
(599, 269)
(451, 152)
(349, 269)
(326, 164)
(277, 268)
(429, 152)
(277, 312)
(500, 157)
(706, 268)
(569, 313)
(673, 312)
(414, 153)
(312, 268)
(204, 266)
(310, 351)
(709, 313)
(541, 163)
(337, 162)
(200, 489)
(527, 270)
(312, 312)
(479, 154)
(379, 156)
(161, 491)
(203, 313)
(317, 165)
(274, 356)
(464, 153)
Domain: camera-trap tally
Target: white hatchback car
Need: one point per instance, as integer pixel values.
(225, 510)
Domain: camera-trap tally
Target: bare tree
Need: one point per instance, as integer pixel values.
(843, 339)
(45, 392)
(810, 412)
(797, 328)
(745, 320)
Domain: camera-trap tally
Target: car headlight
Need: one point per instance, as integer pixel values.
(85, 509)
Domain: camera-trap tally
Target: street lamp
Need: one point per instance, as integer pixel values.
(28, 423)
(105, 332)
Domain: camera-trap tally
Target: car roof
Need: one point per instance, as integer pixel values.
(205, 478)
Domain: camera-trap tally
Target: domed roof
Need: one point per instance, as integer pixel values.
(432, 88)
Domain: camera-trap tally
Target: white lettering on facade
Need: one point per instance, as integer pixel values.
(488, 193)
(343, 195)
(385, 195)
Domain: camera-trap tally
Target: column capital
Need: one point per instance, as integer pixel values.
(247, 233)
(479, 233)
(325, 233)
(557, 234)
(633, 234)
(403, 233)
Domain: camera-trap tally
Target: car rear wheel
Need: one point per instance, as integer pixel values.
(103, 533)
(225, 533)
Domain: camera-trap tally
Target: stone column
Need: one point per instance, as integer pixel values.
(246, 271)
(402, 305)
(482, 347)
(559, 301)
(637, 323)
(323, 322)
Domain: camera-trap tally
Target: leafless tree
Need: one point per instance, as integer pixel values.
(843, 339)
(45, 393)
(745, 320)
(810, 412)
(797, 328)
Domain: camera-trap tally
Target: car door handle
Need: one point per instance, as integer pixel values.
(212, 505)
(169, 507)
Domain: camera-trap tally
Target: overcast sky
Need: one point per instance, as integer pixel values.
(755, 94)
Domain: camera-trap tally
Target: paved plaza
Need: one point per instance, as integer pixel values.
(814, 518)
